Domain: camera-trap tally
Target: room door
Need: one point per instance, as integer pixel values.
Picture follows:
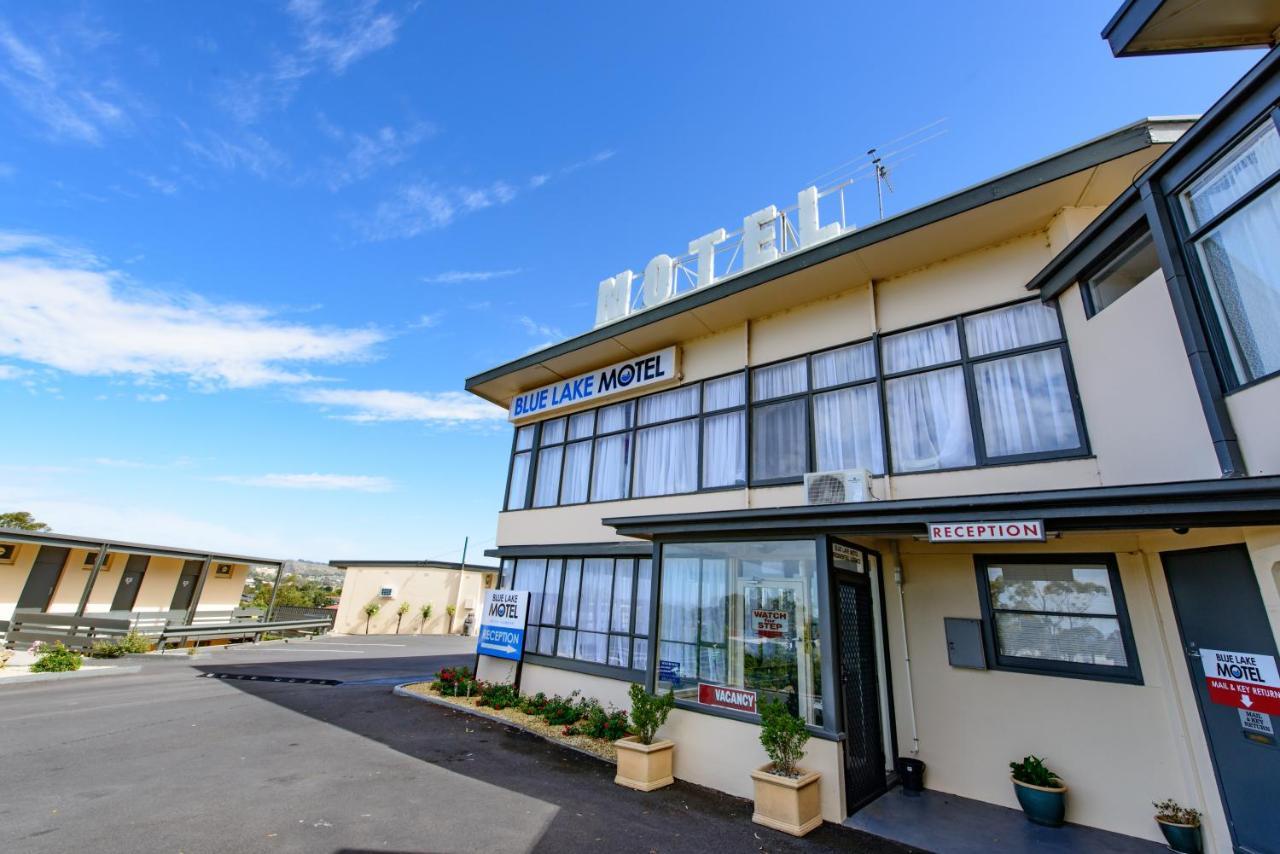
(130, 581)
(1231, 654)
(859, 689)
(186, 586)
(43, 579)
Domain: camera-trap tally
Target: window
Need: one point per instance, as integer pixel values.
(711, 630)
(594, 610)
(1134, 264)
(1233, 212)
(1058, 615)
(987, 388)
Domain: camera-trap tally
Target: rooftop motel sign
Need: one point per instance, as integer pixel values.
(601, 384)
(760, 246)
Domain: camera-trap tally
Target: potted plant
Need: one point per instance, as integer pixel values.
(400, 612)
(645, 764)
(1180, 826)
(788, 798)
(369, 610)
(1041, 792)
(426, 615)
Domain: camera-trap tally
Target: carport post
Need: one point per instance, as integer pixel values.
(93, 577)
(195, 597)
(275, 588)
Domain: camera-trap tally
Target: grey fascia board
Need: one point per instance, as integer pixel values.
(1188, 499)
(1064, 270)
(409, 564)
(638, 549)
(1127, 22)
(48, 538)
(1123, 141)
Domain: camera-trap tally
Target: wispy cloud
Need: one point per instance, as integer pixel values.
(367, 154)
(160, 185)
(428, 321)
(342, 482)
(330, 37)
(6, 171)
(455, 277)
(448, 407)
(541, 330)
(71, 106)
(12, 372)
(86, 319)
(247, 151)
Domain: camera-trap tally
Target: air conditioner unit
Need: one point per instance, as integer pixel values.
(387, 592)
(837, 487)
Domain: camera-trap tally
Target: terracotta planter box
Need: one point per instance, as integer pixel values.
(644, 767)
(792, 805)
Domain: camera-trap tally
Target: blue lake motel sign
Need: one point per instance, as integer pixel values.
(502, 622)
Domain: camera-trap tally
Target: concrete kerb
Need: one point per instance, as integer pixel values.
(71, 674)
(400, 691)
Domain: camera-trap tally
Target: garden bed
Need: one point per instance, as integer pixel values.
(599, 748)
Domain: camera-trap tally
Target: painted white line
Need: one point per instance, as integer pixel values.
(301, 650)
(340, 643)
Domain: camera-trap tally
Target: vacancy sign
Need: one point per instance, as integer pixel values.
(727, 698)
(502, 620)
(1242, 679)
(986, 532)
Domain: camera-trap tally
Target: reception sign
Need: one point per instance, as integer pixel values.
(502, 621)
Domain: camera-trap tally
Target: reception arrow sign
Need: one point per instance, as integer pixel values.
(503, 615)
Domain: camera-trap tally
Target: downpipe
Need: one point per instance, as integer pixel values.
(906, 647)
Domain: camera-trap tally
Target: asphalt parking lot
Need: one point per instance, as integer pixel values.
(172, 760)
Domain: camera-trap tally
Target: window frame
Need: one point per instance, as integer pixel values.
(749, 405)
(1121, 248)
(1128, 675)
(1186, 237)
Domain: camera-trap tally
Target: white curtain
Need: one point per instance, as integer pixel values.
(616, 417)
(609, 471)
(846, 425)
(530, 575)
(677, 403)
(519, 481)
(1243, 168)
(623, 575)
(524, 438)
(667, 459)
(1025, 404)
(644, 578)
(547, 485)
(582, 425)
(593, 613)
(572, 581)
(552, 432)
(551, 594)
(779, 444)
(920, 348)
(778, 380)
(678, 616)
(577, 470)
(724, 450)
(846, 365)
(723, 393)
(1008, 328)
(929, 421)
(1241, 258)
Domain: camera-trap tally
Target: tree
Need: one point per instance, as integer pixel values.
(426, 615)
(400, 612)
(369, 610)
(295, 592)
(23, 521)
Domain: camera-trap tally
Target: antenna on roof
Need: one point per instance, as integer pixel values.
(882, 177)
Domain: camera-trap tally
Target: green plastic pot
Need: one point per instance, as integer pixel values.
(1042, 804)
(1184, 838)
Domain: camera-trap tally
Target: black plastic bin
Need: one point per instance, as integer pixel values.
(911, 771)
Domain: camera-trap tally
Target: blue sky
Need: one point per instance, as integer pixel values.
(249, 252)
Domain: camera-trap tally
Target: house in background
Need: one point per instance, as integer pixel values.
(996, 476)
(391, 583)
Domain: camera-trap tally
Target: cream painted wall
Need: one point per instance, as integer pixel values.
(1140, 403)
(74, 577)
(13, 577)
(416, 585)
(710, 751)
(1117, 746)
(1255, 413)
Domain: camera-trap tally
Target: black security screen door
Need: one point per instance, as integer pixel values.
(1219, 607)
(186, 586)
(864, 762)
(130, 581)
(43, 578)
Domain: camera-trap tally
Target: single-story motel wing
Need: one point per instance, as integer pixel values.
(996, 476)
(391, 584)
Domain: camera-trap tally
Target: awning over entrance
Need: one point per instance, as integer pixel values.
(1186, 504)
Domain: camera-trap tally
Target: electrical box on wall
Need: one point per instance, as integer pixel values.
(964, 643)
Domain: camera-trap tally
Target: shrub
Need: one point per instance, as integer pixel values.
(610, 724)
(134, 643)
(1033, 771)
(649, 712)
(1172, 812)
(129, 644)
(497, 695)
(106, 649)
(56, 659)
(783, 736)
(562, 711)
(455, 682)
(534, 704)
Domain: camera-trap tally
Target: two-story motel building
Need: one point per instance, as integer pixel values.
(1065, 385)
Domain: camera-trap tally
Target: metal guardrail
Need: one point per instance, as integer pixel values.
(81, 633)
(28, 626)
